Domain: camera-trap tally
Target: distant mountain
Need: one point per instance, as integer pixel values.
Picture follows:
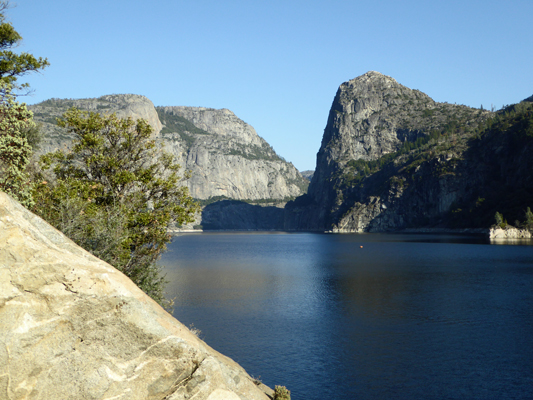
(391, 158)
(227, 158)
(128, 105)
(308, 174)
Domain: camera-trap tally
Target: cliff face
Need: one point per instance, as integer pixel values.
(127, 105)
(226, 156)
(73, 327)
(241, 216)
(392, 158)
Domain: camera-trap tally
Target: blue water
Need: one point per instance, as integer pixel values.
(402, 317)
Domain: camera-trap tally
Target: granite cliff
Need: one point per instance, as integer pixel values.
(226, 157)
(391, 158)
(74, 327)
(128, 105)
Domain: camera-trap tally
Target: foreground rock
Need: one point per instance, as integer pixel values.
(73, 327)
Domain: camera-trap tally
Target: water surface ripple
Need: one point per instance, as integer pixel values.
(402, 317)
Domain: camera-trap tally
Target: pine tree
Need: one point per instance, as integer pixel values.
(529, 219)
(15, 120)
(499, 218)
(15, 151)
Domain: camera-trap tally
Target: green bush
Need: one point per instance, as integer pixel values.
(281, 393)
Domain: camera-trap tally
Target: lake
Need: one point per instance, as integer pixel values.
(362, 316)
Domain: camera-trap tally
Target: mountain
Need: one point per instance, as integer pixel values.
(391, 158)
(226, 157)
(54, 137)
(308, 174)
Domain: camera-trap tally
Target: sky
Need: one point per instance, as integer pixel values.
(277, 64)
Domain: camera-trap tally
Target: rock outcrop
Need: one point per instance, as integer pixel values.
(391, 158)
(73, 327)
(509, 233)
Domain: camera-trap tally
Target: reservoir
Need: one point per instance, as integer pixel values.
(362, 316)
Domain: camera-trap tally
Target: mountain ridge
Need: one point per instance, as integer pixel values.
(391, 158)
(226, 157)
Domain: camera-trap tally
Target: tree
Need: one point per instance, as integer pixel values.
(116, 193)
(13, 65)
(16, 122)
(15, 151)
(498, 219)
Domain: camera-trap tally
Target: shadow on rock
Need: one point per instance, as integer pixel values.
(239, 215)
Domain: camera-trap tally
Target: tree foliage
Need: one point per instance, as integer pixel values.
(528, 223)
(500, 221)
(16, 122)
(116, 193)
(15, 151)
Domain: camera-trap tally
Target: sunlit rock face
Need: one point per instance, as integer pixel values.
(225, 155)
(392, 158)
(126, 105)
(73, 327)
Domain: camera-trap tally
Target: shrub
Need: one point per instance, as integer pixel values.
(281, 393)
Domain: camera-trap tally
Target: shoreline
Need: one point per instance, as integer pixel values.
(493, 233)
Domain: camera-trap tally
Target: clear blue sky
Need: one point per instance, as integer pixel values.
(277, 64)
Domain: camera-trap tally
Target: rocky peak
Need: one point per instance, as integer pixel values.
(365, 109)
(134, 106)
(124, 105)
(227, 157)
(221, 122)
(373, 116)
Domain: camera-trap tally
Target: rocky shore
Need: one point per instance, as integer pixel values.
(509, 233)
